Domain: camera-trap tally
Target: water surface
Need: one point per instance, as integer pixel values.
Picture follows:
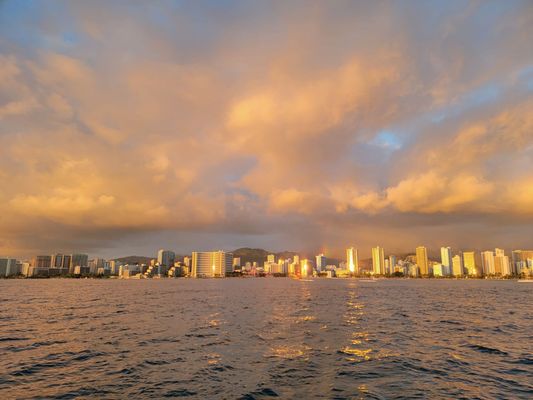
(262, 338)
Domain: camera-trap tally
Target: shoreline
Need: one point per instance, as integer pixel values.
(356, 278)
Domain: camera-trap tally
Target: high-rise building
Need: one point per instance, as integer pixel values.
(457, 266)
(352, 260)
(521, 259)
(446, 257)
(469, 263)
(236, 262)
(60, 264)
(112, 266)
(392, 263)
(187, 261)
(210, 264)
(96, 266)
(440, 270)
(271, 258)
(284, 266)
(81, 261)
(378, 261)
(422, 260)
(502, 264)
(487, 263)
(320, 262)
(40, 265)
(8, 267)
(306, 269)
(166, 258)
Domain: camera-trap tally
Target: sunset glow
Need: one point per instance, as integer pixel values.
(283, 124)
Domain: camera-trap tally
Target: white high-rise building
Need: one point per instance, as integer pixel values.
(392, 263)
(446, 257)
(487, 263)
(502, 264)
(210, 264)
(320, 262)
(378, 261)
(352, 260)
(166, 258)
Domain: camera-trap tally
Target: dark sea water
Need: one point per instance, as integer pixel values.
(261, 338)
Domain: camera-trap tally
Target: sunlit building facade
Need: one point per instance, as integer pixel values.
(378, 260)
(306, 269)
(166, 257)
(457, 266)
(392, 264)
(502, 264)
(422, 260)
(321, 262)
(487, 263)
(469, 263)
(352, 260)
(210, 264)
(446, 257)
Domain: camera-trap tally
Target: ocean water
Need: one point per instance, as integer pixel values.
(265, 338)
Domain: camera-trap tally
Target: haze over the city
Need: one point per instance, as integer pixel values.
(301, 125)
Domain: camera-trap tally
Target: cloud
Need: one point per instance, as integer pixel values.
(126, 127)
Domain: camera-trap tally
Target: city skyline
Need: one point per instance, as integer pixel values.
(220, 263)
(359, 253)
(285, 125)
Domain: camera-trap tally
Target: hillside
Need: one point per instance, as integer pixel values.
(251, 255)
(134, 260)
(248, 254)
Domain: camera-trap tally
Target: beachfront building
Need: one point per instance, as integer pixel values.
(446, 257)
(79, 263)
(321, 262)
(487, 263)
(211, 264)
(469, 263)
(378, 261)
(422, 260)
(8, 267)
(457, 266)
(352, 260)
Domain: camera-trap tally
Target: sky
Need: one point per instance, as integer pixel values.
(129, 126)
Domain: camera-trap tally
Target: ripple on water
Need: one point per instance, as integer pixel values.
(260, 394)
(265, 338)
(486, 349)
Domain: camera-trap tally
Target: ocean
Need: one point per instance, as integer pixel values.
(238, 338)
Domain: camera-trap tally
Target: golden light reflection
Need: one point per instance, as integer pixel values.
(357, 350)
(306, 318)
(213, 358)
(288, 352)
(360, 355)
